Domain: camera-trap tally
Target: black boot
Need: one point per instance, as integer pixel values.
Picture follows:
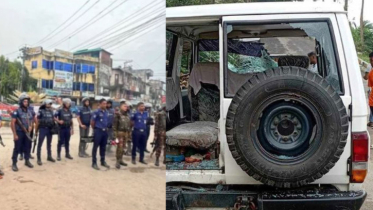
(39, 161)
(81, 154)
(104, 164)
(94, 165)
(157, 162)
(117, 165)
(143, 162)
(28, 164)
(122, 163)
(146, 151)
(14, 167)
(31, 157)
(1, 173)
(21, 157)
(68, 156)
(51, 159)
(133, 161)
(59, 157)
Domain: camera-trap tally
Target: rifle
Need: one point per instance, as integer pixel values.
(1, 142)
(24, 129)
(35, 141)
(155, 145)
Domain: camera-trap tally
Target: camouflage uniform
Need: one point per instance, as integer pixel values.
(160, 134)
(122, 131)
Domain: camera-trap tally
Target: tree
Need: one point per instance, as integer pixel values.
(362, 24)
(10, 77)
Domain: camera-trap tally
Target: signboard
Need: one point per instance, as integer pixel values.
(63, 81)
(88, 94)
(63, 54)
(34, 50)
(50, 92)
(163, 99)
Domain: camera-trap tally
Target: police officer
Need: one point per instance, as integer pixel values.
(149, 122)
(64, 118)
(22, 119)
(139, 132)
(160, 134)
(84, 119)
(99, 123)
(31, 108)
(110, 110)
(44, 124)
(121, 130)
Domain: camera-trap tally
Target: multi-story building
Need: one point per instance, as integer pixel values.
(104, 68)
(63, 73)
(53, 70)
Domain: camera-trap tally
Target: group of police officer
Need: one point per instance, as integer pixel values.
(118, 127)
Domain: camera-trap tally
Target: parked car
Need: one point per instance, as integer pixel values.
(267, 131)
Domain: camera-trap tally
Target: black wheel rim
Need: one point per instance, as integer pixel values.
(289, 130)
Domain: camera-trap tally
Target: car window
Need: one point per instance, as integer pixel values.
(253, 48)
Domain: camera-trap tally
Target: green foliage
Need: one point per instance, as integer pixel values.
(10, 77)
(365, 48)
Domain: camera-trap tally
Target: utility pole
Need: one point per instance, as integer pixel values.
(23, 50)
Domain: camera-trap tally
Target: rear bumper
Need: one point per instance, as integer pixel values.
(320, 201)
(295, 200)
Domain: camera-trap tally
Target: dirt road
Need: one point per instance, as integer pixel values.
(73, 184)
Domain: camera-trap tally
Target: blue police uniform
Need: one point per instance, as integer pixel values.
(31, 109)
(23, 144)
(46, 123)
(100, 137)
(139, 134)
(85, 115)
(66, 116)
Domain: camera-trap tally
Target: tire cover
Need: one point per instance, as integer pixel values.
(242, 123)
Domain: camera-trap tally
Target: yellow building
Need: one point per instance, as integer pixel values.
(63, 73)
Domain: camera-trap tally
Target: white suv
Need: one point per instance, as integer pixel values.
(280, 83)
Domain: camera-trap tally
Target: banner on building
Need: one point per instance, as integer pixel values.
(88, 94)
(34, 51)
(63, 81)
(163, 99)
(50, 92)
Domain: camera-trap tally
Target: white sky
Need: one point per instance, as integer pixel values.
(28, 21)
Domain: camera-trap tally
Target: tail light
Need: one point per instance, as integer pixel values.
(360, 156)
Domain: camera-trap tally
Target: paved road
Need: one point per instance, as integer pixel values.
(73, 184)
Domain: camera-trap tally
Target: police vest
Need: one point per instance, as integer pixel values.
(25, 118)
(110, 115)
(66, 117)
(85, 115)
(46, 119)
(124, 122)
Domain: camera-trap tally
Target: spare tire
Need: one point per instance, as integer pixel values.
(286, 127)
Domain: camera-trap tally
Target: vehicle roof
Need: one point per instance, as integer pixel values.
(218, 10)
